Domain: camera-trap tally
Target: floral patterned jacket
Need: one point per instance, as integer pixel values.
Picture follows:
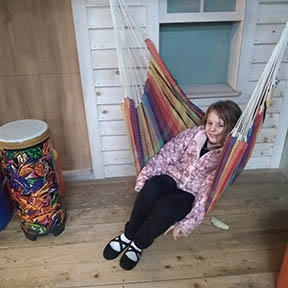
(179, 158)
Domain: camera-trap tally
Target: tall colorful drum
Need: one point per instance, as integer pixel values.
(28, 163)
(6, 208)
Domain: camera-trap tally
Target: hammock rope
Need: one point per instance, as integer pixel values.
(156, 109)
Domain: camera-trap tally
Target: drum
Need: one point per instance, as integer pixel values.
(6, 208)
(28, 163)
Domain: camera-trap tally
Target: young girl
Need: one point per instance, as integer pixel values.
(174, 185)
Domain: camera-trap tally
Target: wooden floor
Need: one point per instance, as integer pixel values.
(248, 255)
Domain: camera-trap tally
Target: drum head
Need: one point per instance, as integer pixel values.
(23, 133)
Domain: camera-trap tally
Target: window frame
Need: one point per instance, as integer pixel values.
(238, 63)
(201, 16)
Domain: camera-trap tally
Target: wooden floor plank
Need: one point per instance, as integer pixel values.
(261, 280)
(90, 269)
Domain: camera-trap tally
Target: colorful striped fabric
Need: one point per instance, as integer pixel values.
(164, 111)
(235, 156)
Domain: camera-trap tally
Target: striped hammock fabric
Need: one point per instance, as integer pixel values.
(160, 110)
(163, 112)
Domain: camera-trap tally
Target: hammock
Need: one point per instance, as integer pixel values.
(155, 108)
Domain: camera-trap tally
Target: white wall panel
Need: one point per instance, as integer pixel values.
(272, 17)
(92, 3)
(117, 157)
(273, 13)
(257, 69)
(100, 17)
(278, 91)
(271, 120)
(108, 95)
(102, 39)
(119, 170)
(104, 59)
(258, 163)
(109, 112)
(115, 143)
(268, 34)
(107, 77)
(262, 53)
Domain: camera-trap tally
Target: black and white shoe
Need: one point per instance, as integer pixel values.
(115, 247)
(131, 257)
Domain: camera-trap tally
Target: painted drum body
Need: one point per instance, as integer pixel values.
(6, 208)
(28, 163)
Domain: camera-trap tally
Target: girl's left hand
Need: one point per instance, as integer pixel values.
(176, 232)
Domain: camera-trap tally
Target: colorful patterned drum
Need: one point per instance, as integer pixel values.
(6, 208)
(28, 163)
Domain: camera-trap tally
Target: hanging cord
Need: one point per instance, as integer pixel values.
(133, 55)
(263, 89)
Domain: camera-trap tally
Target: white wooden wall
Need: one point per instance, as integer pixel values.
(272, 16)
(113, 157)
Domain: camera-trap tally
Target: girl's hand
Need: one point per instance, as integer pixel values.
(176, 232)
(169, 229)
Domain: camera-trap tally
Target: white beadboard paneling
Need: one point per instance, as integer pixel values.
(205, 102)
(258, 163)
(262, 53)
(271, 120)
(100, 17)
(104, 59)
(109, 128)
(279, 89)
(107, 58)
(110, 112)
(260, 159)
(273, 13)
(107, 77)
(263, 149)
(102, 39)
(257, 69)
(115, 143)
(117, 157)
(267, 135)
(282, 133)
(119, 170)
(108, 95)
(275, 106)
(268, 33)
(92, 3)
(82, 40)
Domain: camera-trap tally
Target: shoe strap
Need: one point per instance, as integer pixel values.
(137, 252)
(122, 243)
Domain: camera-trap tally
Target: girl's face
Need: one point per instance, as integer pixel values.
(214, 128)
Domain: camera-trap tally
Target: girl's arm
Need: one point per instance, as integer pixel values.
(168, 155)
(198, 212)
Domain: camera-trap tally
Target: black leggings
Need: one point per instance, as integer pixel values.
(158, 205)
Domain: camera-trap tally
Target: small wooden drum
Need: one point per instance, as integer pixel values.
(28, 163)
(6, 208)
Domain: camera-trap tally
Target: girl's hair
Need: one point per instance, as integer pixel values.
(228, 111)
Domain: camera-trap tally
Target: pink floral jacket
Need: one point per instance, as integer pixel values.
(179, 158)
